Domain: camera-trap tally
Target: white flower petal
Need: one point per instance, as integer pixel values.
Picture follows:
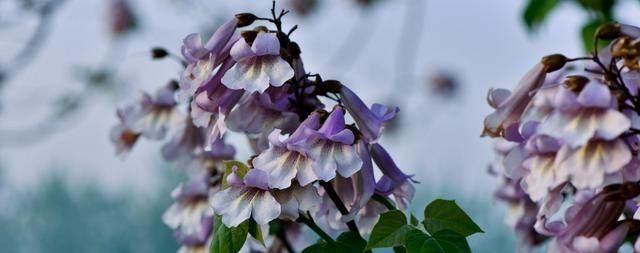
(265, 207)
(278, 70)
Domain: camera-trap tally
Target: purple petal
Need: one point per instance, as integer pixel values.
(386, 164)
(266, 44)
(496, 97)
(241, 51)
(192, 48)
(257, 179)
(221, 36)
(370, 122)
(595, 95)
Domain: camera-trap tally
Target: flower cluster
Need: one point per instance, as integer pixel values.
(568, 136)
(310, 164)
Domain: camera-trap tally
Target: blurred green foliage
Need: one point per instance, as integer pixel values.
(57, 218)
(599, 12)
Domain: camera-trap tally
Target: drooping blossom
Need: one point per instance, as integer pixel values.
(593, 223)
(190, 216)
(262, 112)
(394, 181)
(579, 118)
(150, 115)
(509, 106)
(245, 198)
(332, 148)
(259, 64)
(287, 157)
(370, 121)
(296, 199)
(203, 59)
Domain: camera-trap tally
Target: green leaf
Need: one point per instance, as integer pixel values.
(241, 170)
(446, 214)
(255, 231)
(389, 231)
(537, 11)
(588, 33)
(228, 240)
(444, 241)
(601, 8)
(347, 242)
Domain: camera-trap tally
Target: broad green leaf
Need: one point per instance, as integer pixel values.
(347, 242)
(602, 8)
(452, 242)
(537, 11)
(445, 241)
(241, 170)
(446, 214)
(228, 240)
(255, 231)
(389, 231)
(588, 34)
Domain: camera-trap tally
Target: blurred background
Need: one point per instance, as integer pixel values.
(66, 64)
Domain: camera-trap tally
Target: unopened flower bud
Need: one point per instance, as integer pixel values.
(608, 31)
(173, 85)
(245, 19)
(576, 83)
(554, 62)
(333, 86)
(249, 36)
(158, 53)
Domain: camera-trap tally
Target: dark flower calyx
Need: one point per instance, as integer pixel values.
(245, 19)
(554, 62)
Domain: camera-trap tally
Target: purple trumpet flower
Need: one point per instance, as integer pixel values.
(288, 159)
(311, 153)
(510, 106)
(262, 112)
(190, 215)
(244, 198)
(579, 118)
(203, 60)
(258, 66)
(149, 117)
(393, 181)
(592, 224)
(370, 121)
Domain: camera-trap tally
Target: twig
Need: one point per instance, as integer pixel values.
(308, 220)
(408, 45)
(281, 234)
(383, 200)
(33, 45)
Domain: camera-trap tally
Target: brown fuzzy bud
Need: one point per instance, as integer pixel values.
(608, 31)
(173, 85)
(249, 36)
(245, 19)
(554, 62)
(158, 53)
(576, 83)
(333, 86)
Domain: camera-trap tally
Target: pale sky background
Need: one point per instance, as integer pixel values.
(483, 42)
